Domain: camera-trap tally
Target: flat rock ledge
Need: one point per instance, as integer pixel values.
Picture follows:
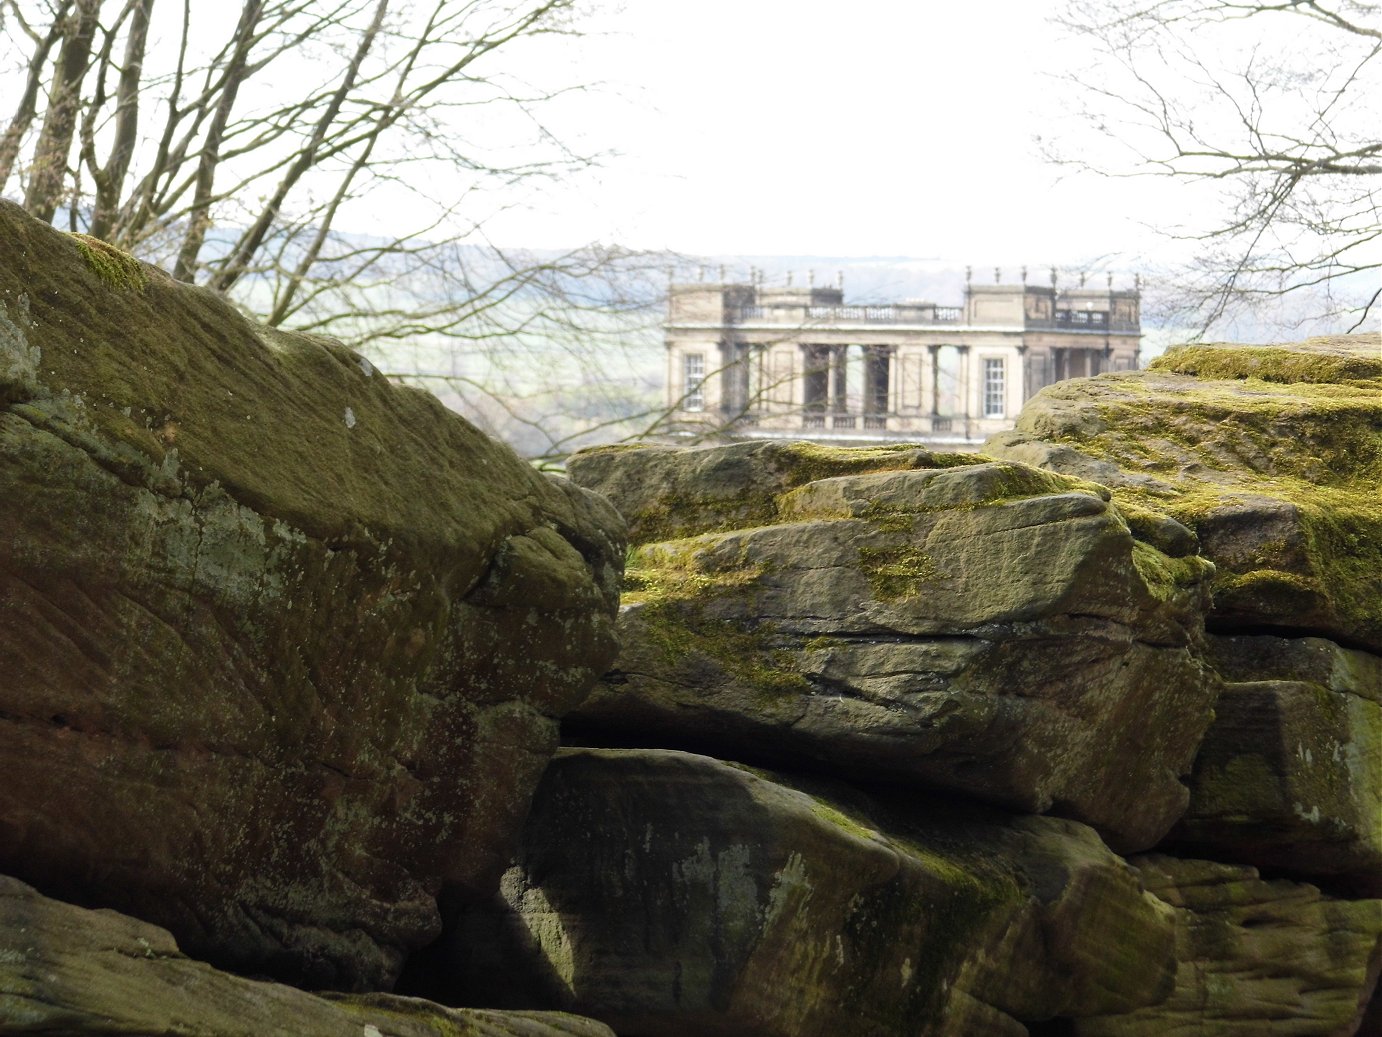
(64, 969)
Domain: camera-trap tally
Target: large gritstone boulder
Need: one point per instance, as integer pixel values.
(67, 970)
(1271, 454)
(1290, 773)
(668, 894)
(980, 627)
(1257, 958)
(282, 645)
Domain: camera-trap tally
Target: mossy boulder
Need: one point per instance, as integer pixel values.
(666, 493)
(669, 894)
(64, 969)
(283, 644)
(1257, 958)
(961, 624)
(1271, 455)
(1290, 773)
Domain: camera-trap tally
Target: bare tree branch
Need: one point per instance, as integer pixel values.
(1287, 124)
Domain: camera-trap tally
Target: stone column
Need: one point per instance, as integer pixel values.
(839, 379)
(727, 377)
(894, 402)
(932, 403)
(755, 379)
(966, 388)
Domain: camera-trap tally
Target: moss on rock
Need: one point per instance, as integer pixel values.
(116, 269)
(1322, 361)
(669, 494)
(1272, 456)
(290, 637)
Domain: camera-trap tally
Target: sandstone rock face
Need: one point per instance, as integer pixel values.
(282, 645)
(979, 627)
(1257, 958)
(72, 971)
(1290, 773)
(671, 894)
(667, 494)
(1272, 455)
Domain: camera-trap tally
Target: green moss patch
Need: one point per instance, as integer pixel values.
(678, 583)
(1294, 433)
(897, 573)
(1273, 363)
(673, 494)
(118, 270)
(1163, 574)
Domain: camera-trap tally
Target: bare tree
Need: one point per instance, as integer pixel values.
(245, 149)
(1277, 102)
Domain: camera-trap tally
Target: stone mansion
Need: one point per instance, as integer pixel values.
(749, 361)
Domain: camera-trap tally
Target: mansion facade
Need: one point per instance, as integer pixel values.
(749, 361)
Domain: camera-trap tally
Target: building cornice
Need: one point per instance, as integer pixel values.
(877, 329)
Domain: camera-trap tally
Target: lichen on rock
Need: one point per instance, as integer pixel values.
(19, 359)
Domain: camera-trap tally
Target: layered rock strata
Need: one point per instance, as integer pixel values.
(1257, 958)
(929, 626)
(979, 627)
(1272, 455)
(1290, 774)
(282, 645)
(673, 894)
(72, 971)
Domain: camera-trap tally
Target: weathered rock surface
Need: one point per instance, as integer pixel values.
(282, 645)
(666, 493)
(1290, 773)
(671, 894)
(1271, 454)
(984, 628)
(67, 970)
(1257, 958)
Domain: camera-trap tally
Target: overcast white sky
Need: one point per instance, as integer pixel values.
(806, 127)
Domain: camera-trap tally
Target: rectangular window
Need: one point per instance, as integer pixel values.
(693, 378)
(995, 404)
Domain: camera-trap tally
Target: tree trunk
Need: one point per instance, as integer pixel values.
(111, 178)
(45, 186)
